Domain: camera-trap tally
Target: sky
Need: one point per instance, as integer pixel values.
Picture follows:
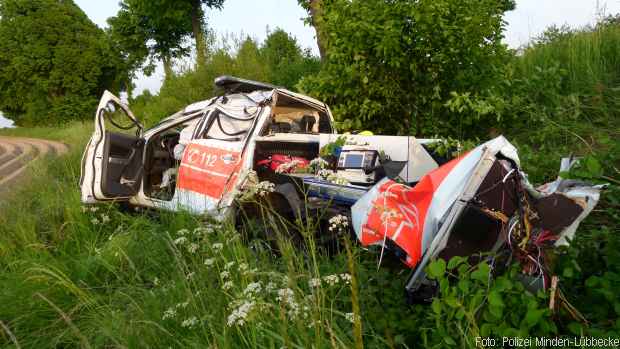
(254, 17)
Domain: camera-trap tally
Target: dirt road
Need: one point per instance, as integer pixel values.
(16, 153)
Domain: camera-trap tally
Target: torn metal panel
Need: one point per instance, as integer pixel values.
(466, 205)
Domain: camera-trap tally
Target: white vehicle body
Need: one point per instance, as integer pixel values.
(228, 134)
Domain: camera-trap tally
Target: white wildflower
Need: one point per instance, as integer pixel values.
(217, 246)
(193, 247)
(169, 314)
(105, 218)
(227, 285)
(350, 317)
(183, 232)
(240, 314)
(229, 265)
(331, 280)
(203, 230)
(225, 274)
(252, 289)
(209, 262)
(190, 323)
(180, 241)
(346, 278)
(94, 221)
(190, 275)
(265, 187)
(318, 164)
(243, 267)
(338, 223)
(286, 296)
(288, 167)
(182, 305)
(271, 286)
(94, 209)
(156, 281)
(314, 282)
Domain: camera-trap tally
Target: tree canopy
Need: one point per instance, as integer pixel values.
(54, 62)
(391, 66)
(151, 30)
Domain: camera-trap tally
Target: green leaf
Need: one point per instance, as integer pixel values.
(449, 341)
(437, 269)
(451, 301)
(496, 311)
(495, 299)
(533, 316)
(481, 273)
(575, 328)
(485, 330)
(456, 261)
(436, 306)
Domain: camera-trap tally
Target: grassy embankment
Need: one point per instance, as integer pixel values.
(71, 277)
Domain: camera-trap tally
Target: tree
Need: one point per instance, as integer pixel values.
(198, 28)
(285, 59)
(316, 18)
(392, 65)
(152, 29)
(54, 62)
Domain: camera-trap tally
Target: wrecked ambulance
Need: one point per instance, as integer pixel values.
(396, 192)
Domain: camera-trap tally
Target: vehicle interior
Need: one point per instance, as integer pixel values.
(289, 116)
(163, 159)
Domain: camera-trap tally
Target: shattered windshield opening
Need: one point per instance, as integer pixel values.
(226, 127)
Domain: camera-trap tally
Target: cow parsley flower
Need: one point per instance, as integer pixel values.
(189, 323)
(239, 315)
(169, 314)
(105, 218)
(271, 286)
(217, 246)
(183, 232)
(193, 247)
(229, 265)
(227, 285)
(346, 278)
(252, 289)
(314, 282)
(225, 274)
(209, 262)
(338, 223)
(286, 296)
(180, 241)
(350, 317)
(331, 280)
(288, 167)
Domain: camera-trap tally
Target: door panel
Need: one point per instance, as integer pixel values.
(122, 171)
(112, 161)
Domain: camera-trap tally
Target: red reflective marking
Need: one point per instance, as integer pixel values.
(399, 212)
(208, 170)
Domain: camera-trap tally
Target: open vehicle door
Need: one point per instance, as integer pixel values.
(112, 165)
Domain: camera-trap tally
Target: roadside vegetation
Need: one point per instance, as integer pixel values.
(72, 276)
